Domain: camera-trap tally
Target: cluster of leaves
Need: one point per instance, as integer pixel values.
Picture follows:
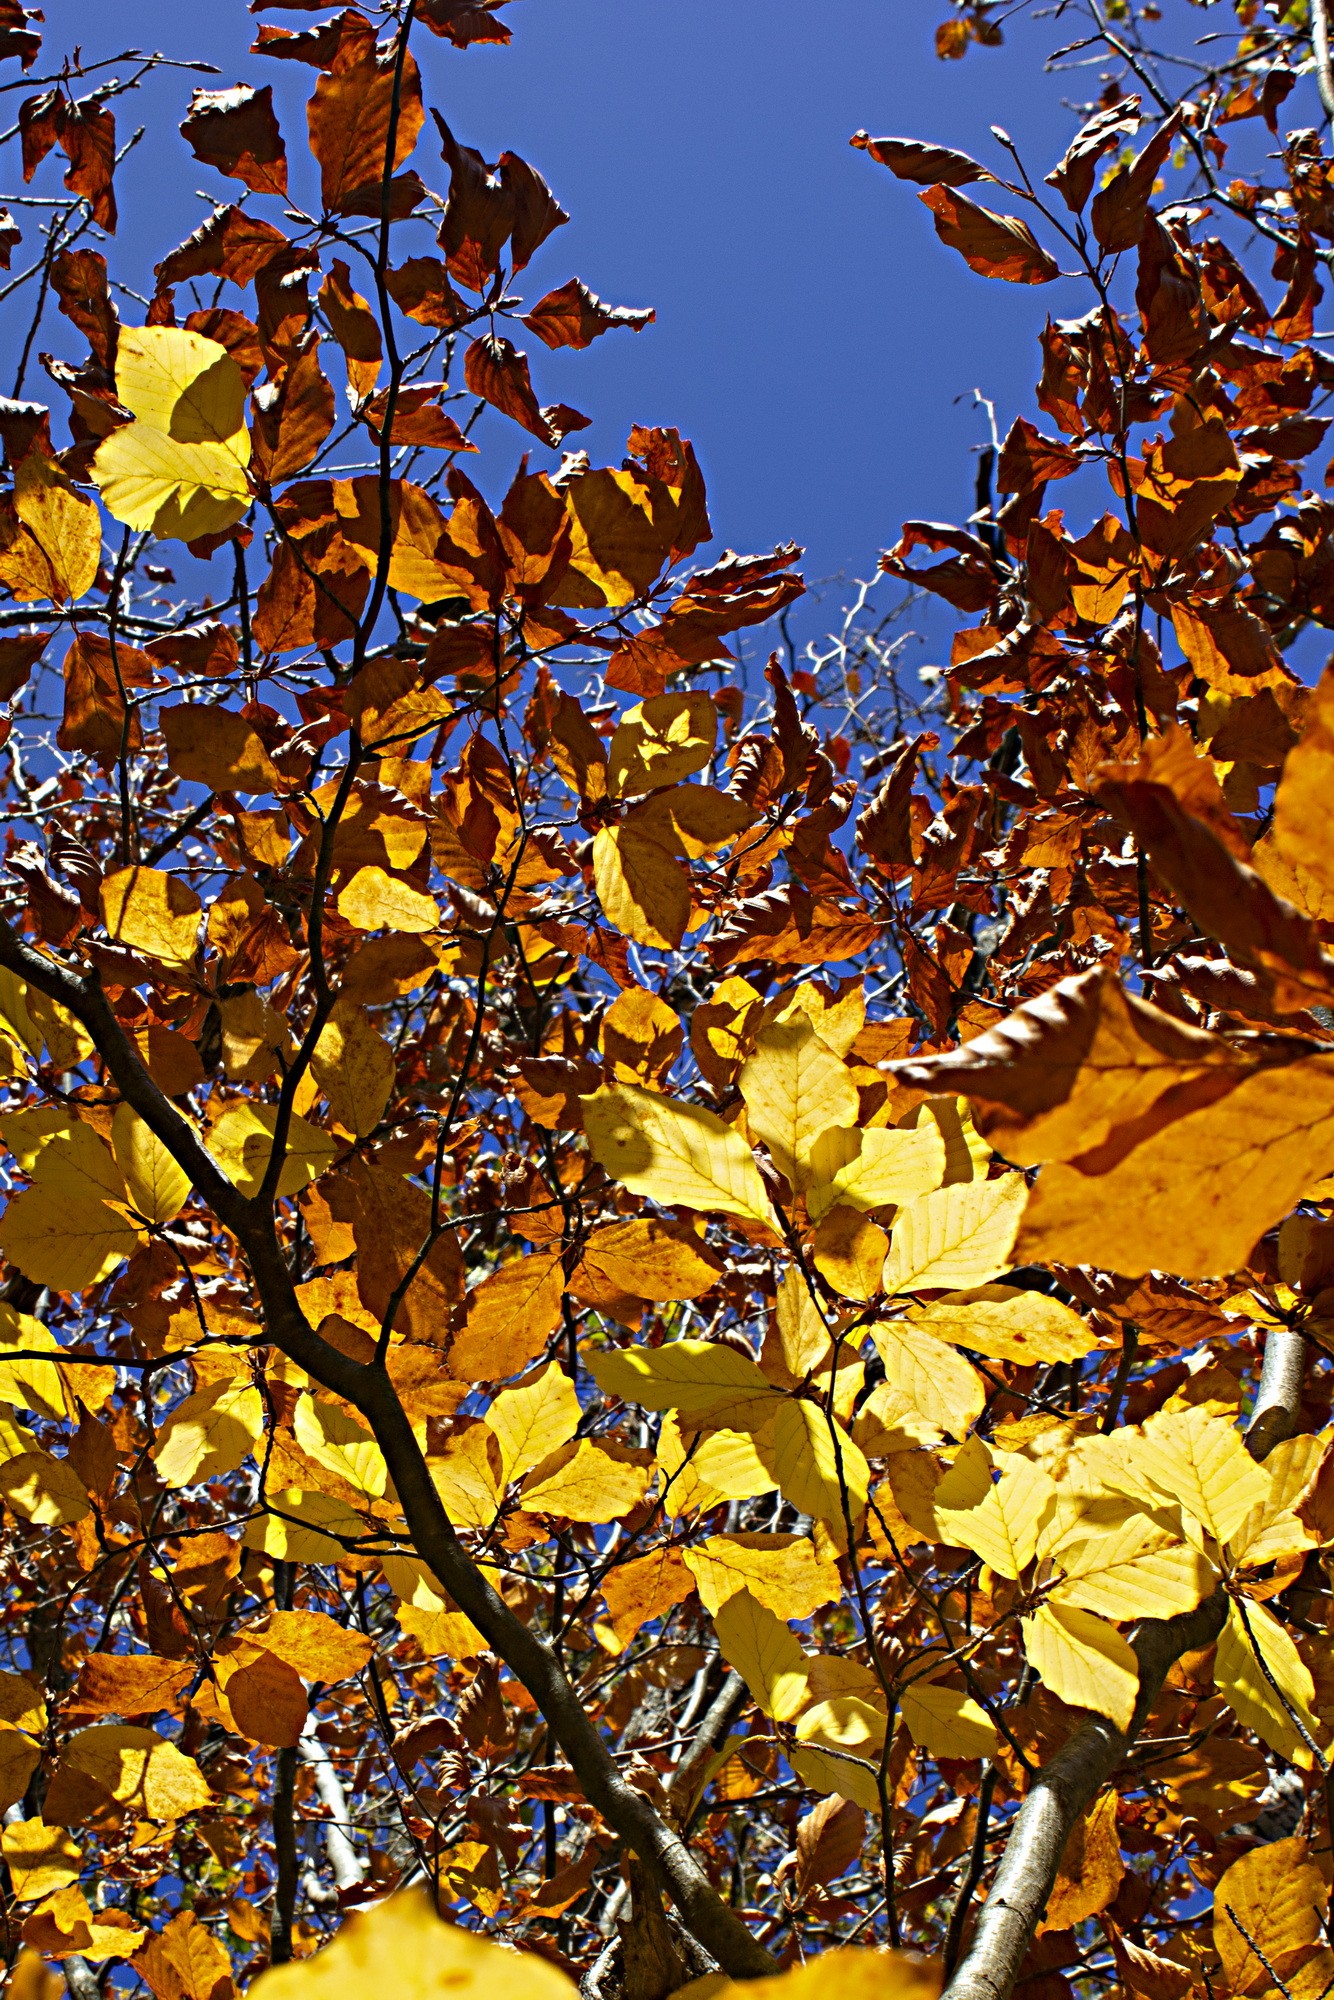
(612, 1293)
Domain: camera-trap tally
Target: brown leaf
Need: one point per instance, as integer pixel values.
(355, 328)
(489, 206)
(18, 656)
(95, 708)
(1121, 208)
(231, 244)
(349, 118)
(79, 279)
(572, 316)
(237, 132)
(498, 372)
(1073, 177)
(293, 418)
(999, 246)
(130, 1684)
(330, 45)
(420, 288)
(914, 160)
(88, 139)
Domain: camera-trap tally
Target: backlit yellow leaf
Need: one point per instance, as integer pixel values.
(674, 1153)
(1083, 1660)
(956, 1238)
(242, 1141)
(765, 1653)
(1004, 1526)
(795, 1088)
(401, 1947)
(946, 1722)
(326, 1433)
(1243, 1681)
(212, 1432)
(946, 1389)
(154, 1185)
(180, 469)
(354, 1067)
(152, 912)
(534, 1419)
(785, 1572)
(660, 741)
(374, 900)
(1007, 1324)
(137, 1768)
(586, 1483)
(871, 1169)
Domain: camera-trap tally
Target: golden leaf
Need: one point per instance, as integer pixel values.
(1083, 1660)
(180, 469)
(956, 1238)
(152, 912)
(674, 1153)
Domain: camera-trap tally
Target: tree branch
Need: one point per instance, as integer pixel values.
(370, 1390)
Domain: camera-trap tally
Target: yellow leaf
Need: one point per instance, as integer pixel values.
(1134, 1571)
(1004, 1526)
(1300, 831)
(212, 1432)
(956, 1238)
(44, 1490)
(1273, 1528)
(722, 1466)
(242, 1141)
(509, 1318)
(1006, 1324)
(813, 1459)
(765, 1653)
(802, 1337)
(1091, 1868)
(40, 1858)
(374, 900)
(795, 1089)
(660, 741)
(19, 1758)
(586, 1483)
(326, 1433)
(180, 468)
(849, 1253)
(138, 1769)
(940, 1384)
(65, 1924)
(643, 889)
(56, 552)
(67, 1242)
(1267, 1921)
(466, 1474)
(1083, 1660)
(947, 1722)
(1199, 1460)
(872, 1169)
(33, 1383)
(354, 1067)
(784, 1572)
(401, 1947)
(693, 1376)
(154, 1185)
(302, 1527)
(152, 912)
(834, 1772)
(674, 1153)
(534, 1419)
(217, 747)
(1242, 1680)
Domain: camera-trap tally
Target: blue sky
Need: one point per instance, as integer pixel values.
(813, 337)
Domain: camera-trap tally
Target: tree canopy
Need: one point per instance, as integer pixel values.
(687, 1328)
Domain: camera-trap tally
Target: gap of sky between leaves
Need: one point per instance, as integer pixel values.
(813, 337)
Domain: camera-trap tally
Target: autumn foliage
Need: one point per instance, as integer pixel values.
(690, 1332)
